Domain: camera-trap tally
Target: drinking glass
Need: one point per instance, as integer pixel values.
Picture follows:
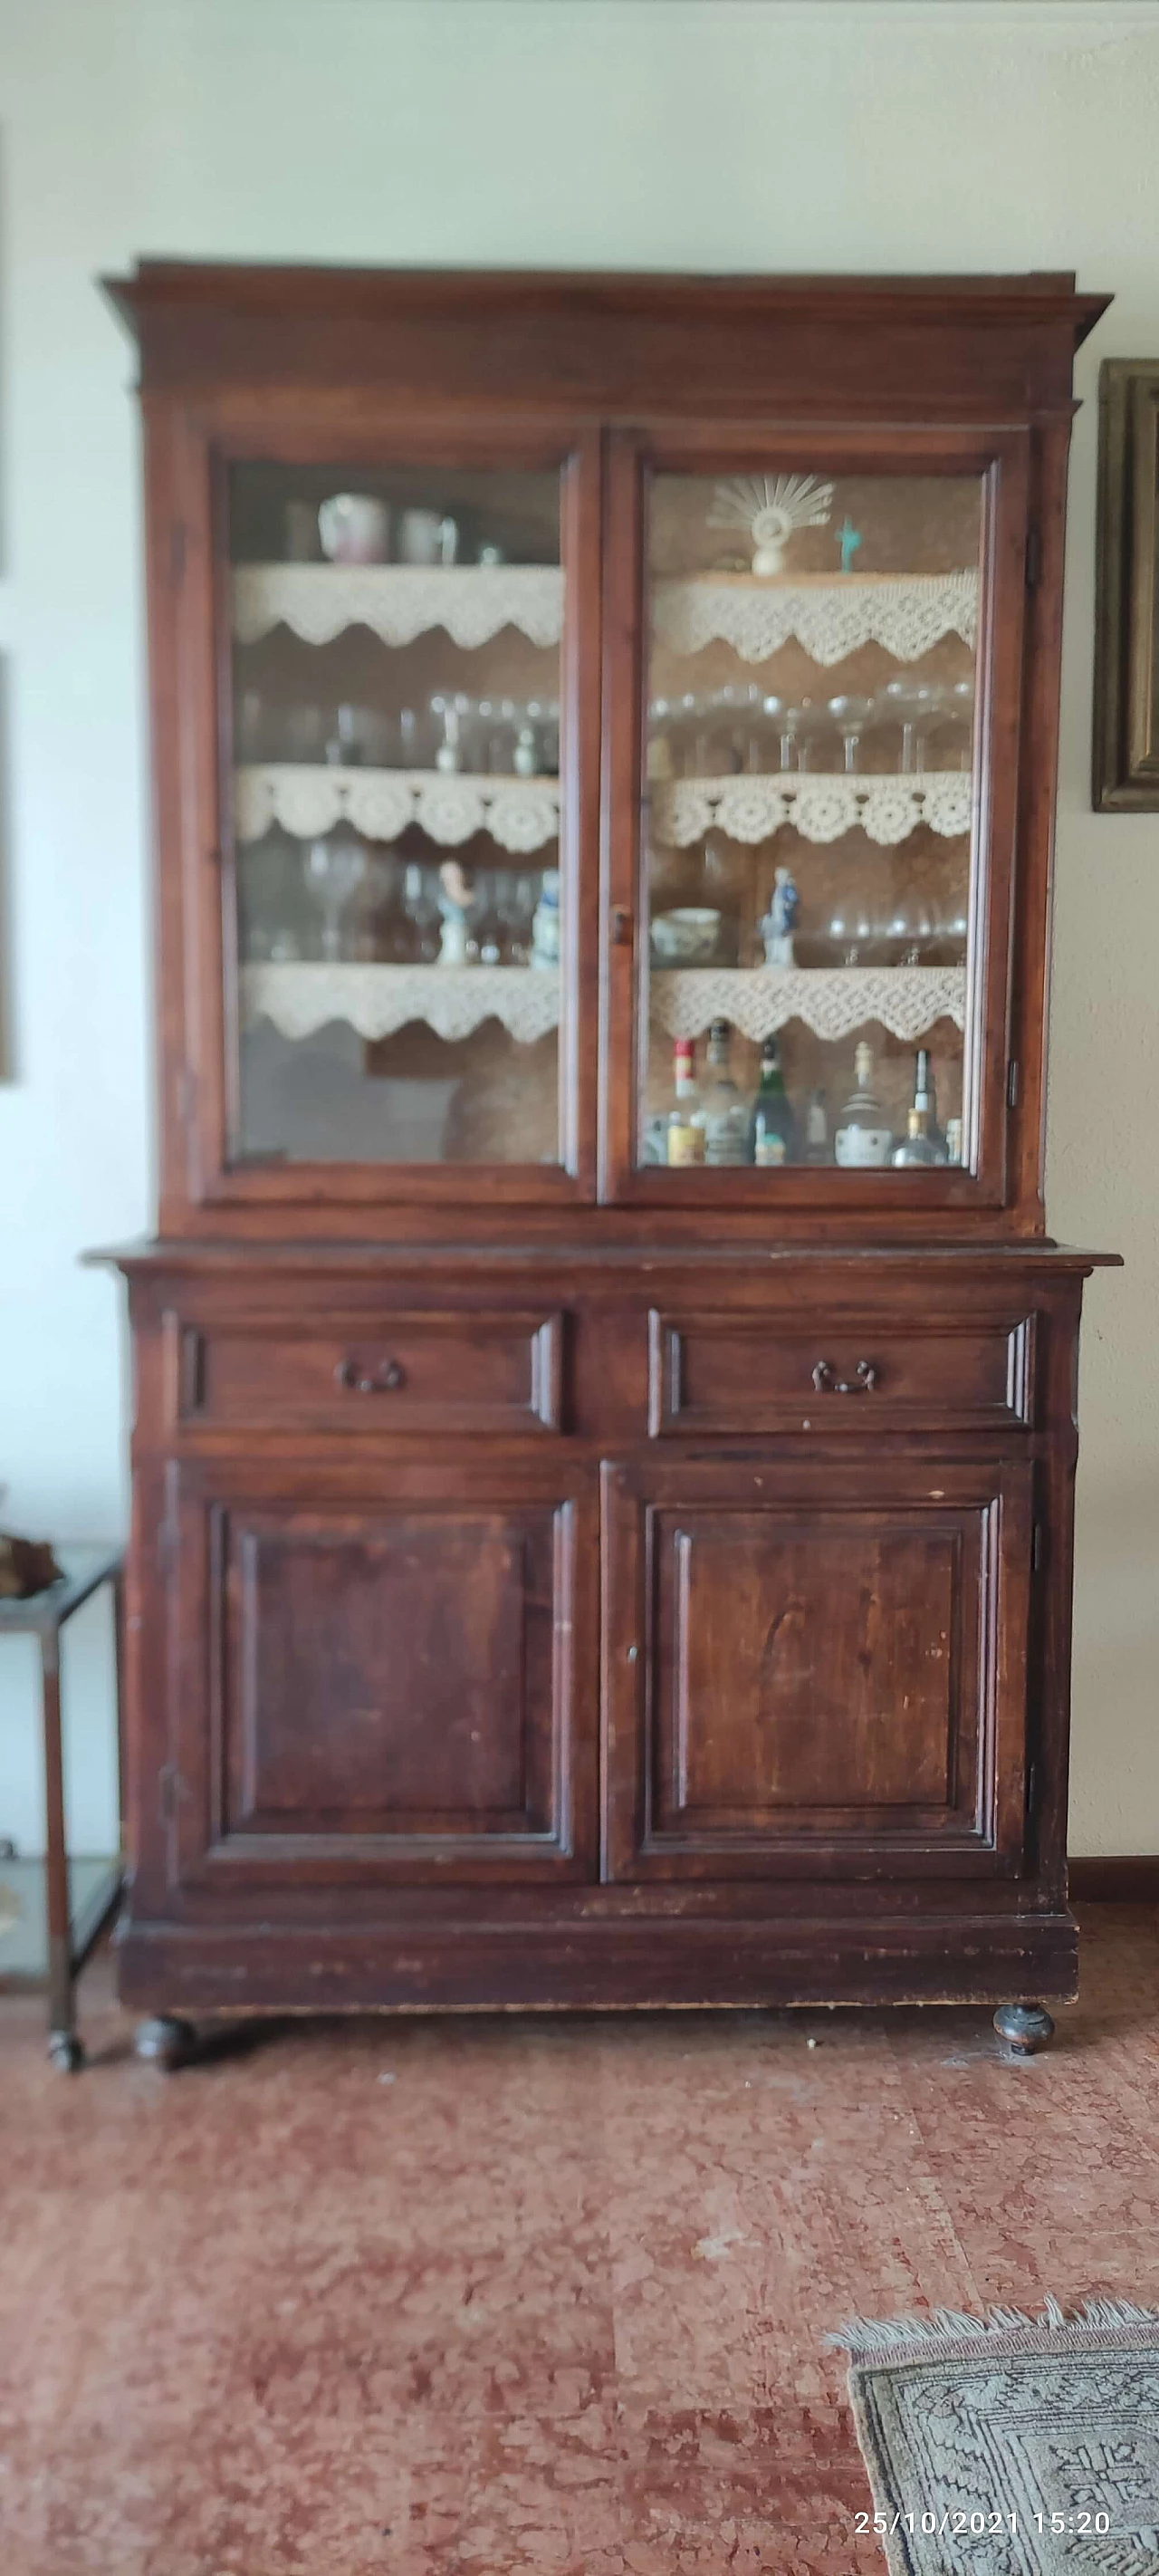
(913, 704)
(334, 872)
(851, 715)
(803, 727)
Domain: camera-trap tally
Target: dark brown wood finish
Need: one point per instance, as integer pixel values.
(567, 1585)
(806, 1671)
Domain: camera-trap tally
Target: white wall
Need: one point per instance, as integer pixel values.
(665, 133)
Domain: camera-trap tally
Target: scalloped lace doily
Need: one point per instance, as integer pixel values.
(399, 601)
(377, 1000)
(521, 814)
(832, 1001)
(454, 1000)
(829, 618)
(821, 807)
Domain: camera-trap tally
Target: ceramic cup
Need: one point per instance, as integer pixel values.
(425, 537)
(302, 532)
(354, 528)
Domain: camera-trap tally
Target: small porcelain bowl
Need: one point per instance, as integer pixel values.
(688, 937)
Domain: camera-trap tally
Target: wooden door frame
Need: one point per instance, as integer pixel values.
(1001, 1483)
(190, 1863)
(1001, 459)
(189, 448)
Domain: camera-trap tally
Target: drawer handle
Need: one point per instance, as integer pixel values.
(862, 1383)
(381, 1381)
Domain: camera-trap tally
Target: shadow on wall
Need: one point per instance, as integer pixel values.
(6, 1065)
(1116, 1644)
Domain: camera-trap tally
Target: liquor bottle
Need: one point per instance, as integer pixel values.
(684, 1124)
(918, 1146)
(864, 1138)
(773, 1127)
(722, 1111)
(816, 1130)
(925, 1097)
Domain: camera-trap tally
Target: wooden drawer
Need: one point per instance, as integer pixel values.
(734, 1374)
(440, 1372)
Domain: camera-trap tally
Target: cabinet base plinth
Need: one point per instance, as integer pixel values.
(627, 1964)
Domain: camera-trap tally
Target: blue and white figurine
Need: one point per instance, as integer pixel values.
(545, 922)
(777, 926)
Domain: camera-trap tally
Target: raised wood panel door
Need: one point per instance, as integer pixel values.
(812, 1670)
(380, 1683)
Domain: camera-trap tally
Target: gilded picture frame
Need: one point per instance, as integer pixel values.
(1125, 769)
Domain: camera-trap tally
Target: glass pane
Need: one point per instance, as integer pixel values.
(807, 843)
(396, 799)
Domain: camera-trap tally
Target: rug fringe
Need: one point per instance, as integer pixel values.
(862, 2336)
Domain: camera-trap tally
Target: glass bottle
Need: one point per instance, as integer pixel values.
(726, 1126)
(917, 1146)
(816, 1130)
(925, 1098)
(864, 1138)
(684, 1123)
(773, 1129)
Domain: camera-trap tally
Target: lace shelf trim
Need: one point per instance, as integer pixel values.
(832, 1001)
(821, 808)
(377, 1000)
(829, 618)
(472, 602)
(454, 1000)
(522, 815)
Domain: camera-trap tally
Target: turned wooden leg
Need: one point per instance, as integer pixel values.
(165, 2041)
(1026, 2027)
(64, 2048)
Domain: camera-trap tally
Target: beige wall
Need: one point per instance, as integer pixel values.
(667, 133)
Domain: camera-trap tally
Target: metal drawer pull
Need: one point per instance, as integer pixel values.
(862, 1383)
(383, 1382)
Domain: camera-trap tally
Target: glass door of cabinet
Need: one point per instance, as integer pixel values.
(821, 875)
(402, 776)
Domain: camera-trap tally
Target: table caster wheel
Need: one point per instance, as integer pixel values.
(164, 2041)
(1026, 2027)
(66, 2052)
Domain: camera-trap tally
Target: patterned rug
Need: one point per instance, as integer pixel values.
(1011, 2445)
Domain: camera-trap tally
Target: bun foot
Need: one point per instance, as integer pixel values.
(1025, 2027)
(164, 2042)
(66, 2052)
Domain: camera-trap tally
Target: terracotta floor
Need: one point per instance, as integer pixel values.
(483, 2297)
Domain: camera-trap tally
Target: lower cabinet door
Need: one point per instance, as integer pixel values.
(815, 1669)
(380, 1680)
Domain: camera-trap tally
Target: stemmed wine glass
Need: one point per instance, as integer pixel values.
(334, 872)
(801, 726)
(851, 716)
(915, 705)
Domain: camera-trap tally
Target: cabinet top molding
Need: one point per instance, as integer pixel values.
(602, 341)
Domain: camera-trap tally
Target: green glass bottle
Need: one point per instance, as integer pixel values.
(773, 1125)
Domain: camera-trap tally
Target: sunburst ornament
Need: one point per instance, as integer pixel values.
(771, 508)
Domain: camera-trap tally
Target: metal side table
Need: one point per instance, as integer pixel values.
(70, 1938)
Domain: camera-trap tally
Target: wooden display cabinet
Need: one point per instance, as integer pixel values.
(575, 1562)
